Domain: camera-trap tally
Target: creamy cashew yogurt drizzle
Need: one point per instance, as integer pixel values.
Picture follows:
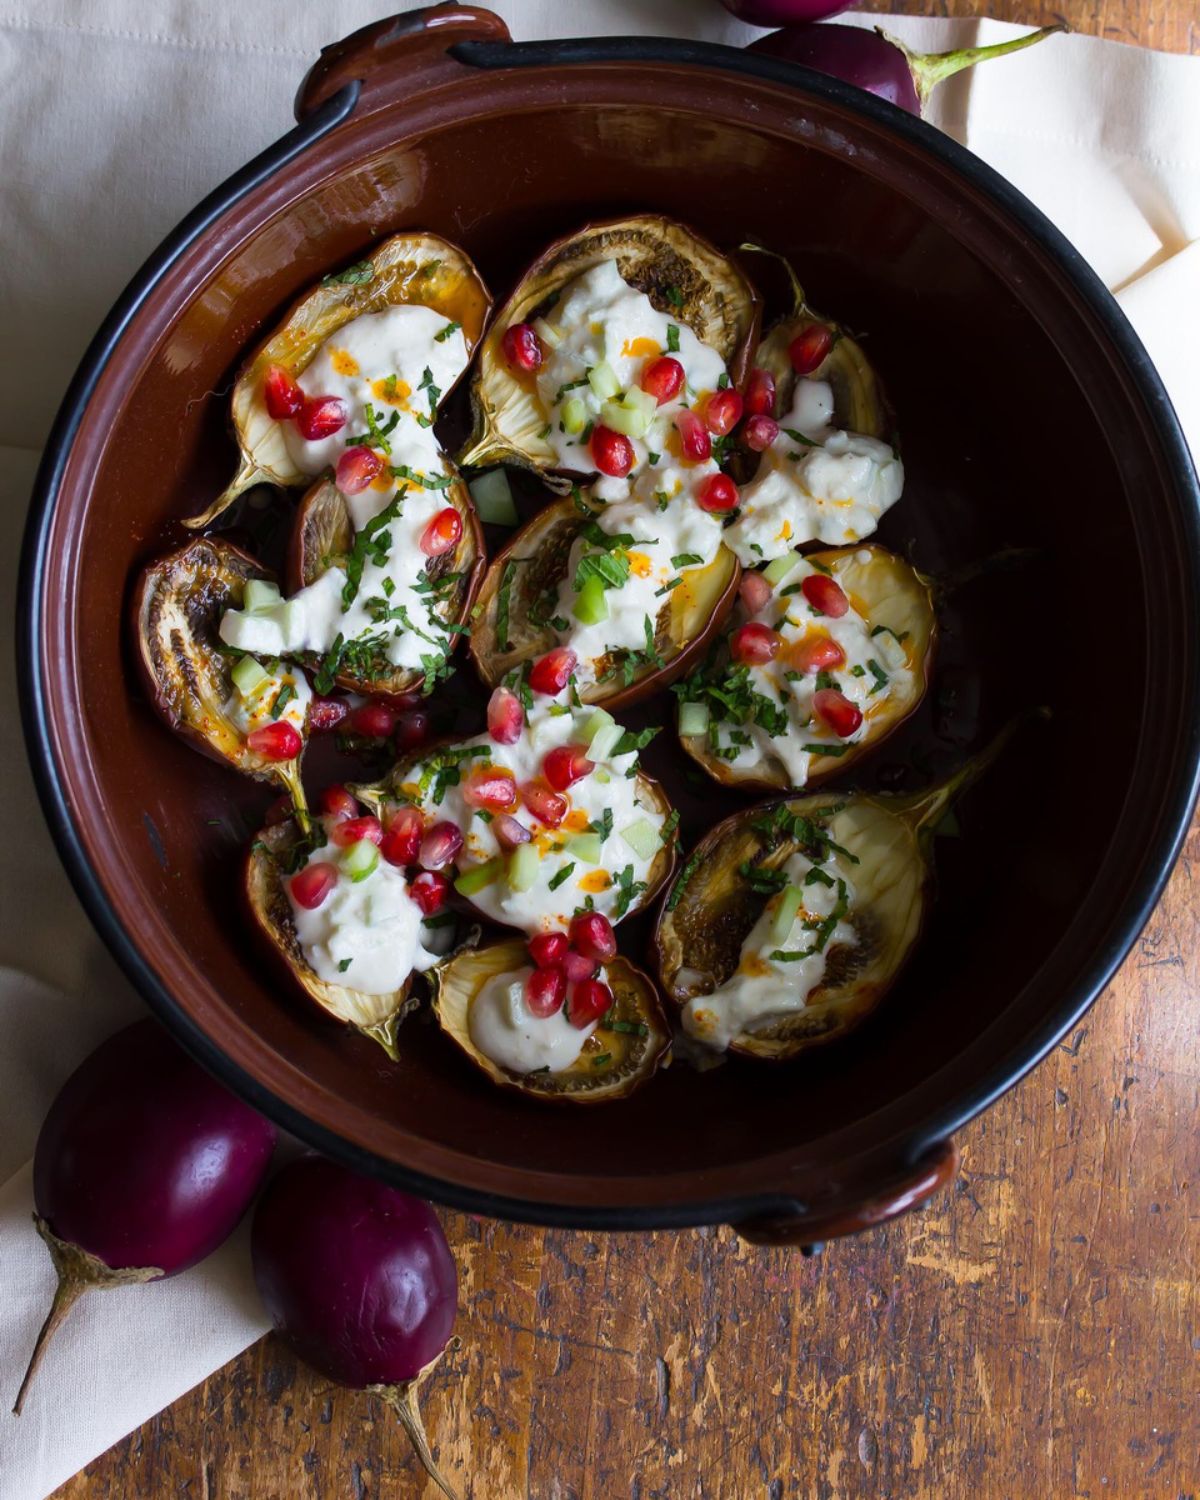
(504, 1028)
(281, 698)
(607, 803)
(877, 669)
(781, 962)
(367, 934)
(389, 368)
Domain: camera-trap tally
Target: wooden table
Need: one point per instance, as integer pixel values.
(1034, 1333)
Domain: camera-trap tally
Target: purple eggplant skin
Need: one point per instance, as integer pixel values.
(144, 1159)
(356, 1276)
(784, 12)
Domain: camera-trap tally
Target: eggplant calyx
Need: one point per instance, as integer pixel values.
(78, 1272)
(402, 1398)
(799, 301)
(928, 69)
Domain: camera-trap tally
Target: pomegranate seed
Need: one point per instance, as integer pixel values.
(325, 714)
(817, 653)
(373, 719)
(591, 934)
(283, 396)
(310, 886)
(548, 949)
(545, 991)
(551, 673)
(505, 717)
(578, 967)
(842, 716)
(278, 741)
(402, 702)
(723, 411)
(430, 891)
(756, 593)
(546, 806)
(355, 470)
(402, 842)
(440, 845)
(522, 347)
(825, 596)
(566, 764)
(662, 378)
(694, 441)
(354, 830)
(590, 999)
(759, 433)
(279, 811)
(412, 730)
(754, 644)
(612, 452)
(510, 831)
(336, 802)
(717, 493)
(760, 393)
(808, 349)
(320, 417)
(491, 787)
(442, 534)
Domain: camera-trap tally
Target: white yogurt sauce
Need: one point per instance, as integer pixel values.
(372, 926)
(611, 785)
(504, 1029)
(876, 671)
(393, 362)
(832, 488)
(253, 713)
(764, 987)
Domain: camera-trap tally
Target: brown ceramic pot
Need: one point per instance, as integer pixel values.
(1030, 417)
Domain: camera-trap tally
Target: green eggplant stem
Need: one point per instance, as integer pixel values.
(931, 68)
(799, 305)
(924, 811)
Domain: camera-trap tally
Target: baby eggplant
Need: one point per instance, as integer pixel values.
(412, 269)
(517, 600)
(193, 681)
(813, 672)
(276, 854)
(627, 1045)
(681, 274)
(873, 861)
(323, 537)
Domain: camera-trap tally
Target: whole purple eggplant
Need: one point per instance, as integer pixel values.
(358, 1278)
(784, 12)
(143, 1166)
(880, 63)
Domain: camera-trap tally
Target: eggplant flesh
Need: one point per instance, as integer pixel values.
(681, 274)
(619, 1056)
(512, 622)
(891, 596)
(276, 853)
(407, 269)
(177, 608)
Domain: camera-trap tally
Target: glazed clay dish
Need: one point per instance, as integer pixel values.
(956, 331)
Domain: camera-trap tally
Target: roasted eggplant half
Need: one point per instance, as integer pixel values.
(232, 708)
(324, 537)
(276, 854)
(791, 920)
(410, 269)
(516, 610)
(683, 276)
(835, 654)
(618, 1056)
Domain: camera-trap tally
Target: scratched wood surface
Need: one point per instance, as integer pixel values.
(1034, 1333)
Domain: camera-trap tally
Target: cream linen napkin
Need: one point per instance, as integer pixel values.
(115, 118)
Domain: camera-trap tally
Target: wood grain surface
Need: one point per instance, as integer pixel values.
(1035, 1333)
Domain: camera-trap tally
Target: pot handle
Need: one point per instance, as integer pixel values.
(412, 45)
(808, 1229)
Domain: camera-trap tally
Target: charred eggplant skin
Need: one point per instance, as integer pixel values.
(532, 564)
(680, 272)
(322, 532)
(628, 1059)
